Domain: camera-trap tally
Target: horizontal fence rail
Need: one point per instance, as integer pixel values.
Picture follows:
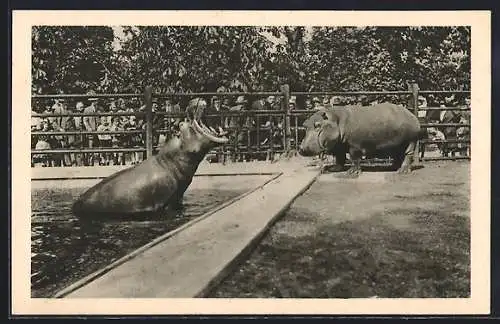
(444, 108)
(94, 114)
(444, 92)
(350, 93)
(96, 150)
(254, 133)
(215, 94)
(85, 96)
(88, 133)
(428, 125)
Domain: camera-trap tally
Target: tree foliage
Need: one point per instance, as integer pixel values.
(374, 58)
(197, 58)
(204, 58)
(72, 59)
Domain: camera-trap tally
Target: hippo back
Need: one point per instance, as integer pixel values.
(380, 126)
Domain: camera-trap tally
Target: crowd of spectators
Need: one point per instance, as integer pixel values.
(245, 138)
(77, 124)
(440, 117)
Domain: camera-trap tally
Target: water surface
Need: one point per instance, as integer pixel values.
(64, 250)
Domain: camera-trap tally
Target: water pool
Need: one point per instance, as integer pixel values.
(64, 250)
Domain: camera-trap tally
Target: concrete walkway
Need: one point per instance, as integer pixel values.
(191, 262)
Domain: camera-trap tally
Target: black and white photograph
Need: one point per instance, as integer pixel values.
(283, 162)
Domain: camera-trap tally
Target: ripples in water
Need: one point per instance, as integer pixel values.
(65, 250)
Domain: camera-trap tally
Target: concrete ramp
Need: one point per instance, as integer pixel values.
(195, 259)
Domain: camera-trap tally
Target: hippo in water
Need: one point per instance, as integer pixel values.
(158, 182)
(380, 130)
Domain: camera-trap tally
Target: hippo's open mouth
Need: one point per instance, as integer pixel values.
(194, 112)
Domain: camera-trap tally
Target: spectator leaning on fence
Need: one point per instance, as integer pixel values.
(44, 143)
(112, 110)
(61, 125)
(165, 122)
(79, 139)
(422, 103)
(48, 110)
(316, 103)
(36, 125)
(309, 104)
(69, 126)
(236, 122)
(56, 141)
(118, 158)
(104, 140)
(55, 107)
(121, 108)
(90, 124)
(335, 101)
(36, 122)
(133, 140)
(463, 132)
(42, 159)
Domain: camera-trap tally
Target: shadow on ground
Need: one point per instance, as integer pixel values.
(405, 237)
(330, 168)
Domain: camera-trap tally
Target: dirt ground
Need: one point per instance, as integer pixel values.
(398, 236)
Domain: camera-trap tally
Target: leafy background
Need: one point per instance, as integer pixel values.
(78, 59)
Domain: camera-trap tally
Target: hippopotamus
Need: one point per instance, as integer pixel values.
(381, 130)
(157, 182)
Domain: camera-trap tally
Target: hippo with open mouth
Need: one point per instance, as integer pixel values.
(158, 182)
(382, 130)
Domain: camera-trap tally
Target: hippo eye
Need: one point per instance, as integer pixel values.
(325, 116)
(317, 124)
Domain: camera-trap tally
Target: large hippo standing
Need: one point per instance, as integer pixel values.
(157, 182)
(383, 129)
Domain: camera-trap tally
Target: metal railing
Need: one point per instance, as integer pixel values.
(256, 136)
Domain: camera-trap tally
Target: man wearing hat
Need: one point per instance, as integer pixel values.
(59, 108)
(308, 104)
(433, 116)
(448, 102)
(90, 124)
(59, 125)
(167, 121)
(70, 141)
(79, 139)
(236, 122)
(335, 101)
(36, 122)
(292, 103)
(240, 106)
(422, 103)
(326, 102)
(157, 122)
(316, 103)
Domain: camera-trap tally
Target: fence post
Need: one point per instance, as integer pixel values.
(148, 100)
(285, 89)
(413, 87)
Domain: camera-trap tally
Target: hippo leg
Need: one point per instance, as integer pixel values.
(355, 170)
(398, 157)
(340, 158)
(408, 159)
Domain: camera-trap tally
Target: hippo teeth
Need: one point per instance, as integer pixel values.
(206, 132)
(197, 113)
(219, 132)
